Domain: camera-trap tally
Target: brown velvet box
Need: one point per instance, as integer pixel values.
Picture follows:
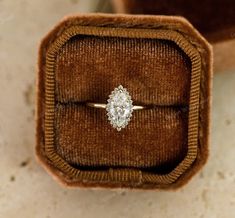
(163, 62)
(214, 19)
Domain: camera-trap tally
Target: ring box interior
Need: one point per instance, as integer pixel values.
(163, 62)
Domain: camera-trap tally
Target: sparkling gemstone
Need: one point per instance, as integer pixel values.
(119, 108)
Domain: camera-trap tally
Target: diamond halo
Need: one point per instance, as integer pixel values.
(119, 108)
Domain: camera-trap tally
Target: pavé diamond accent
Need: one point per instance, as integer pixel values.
(119, 108)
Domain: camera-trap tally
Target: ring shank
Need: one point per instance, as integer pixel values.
(103, 106)
(96, 105)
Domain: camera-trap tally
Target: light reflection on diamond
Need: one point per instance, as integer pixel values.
(119, 108)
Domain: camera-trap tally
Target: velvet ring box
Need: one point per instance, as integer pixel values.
(214, 19)
(162, 61)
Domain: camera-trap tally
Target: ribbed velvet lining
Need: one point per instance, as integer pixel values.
(88, 68)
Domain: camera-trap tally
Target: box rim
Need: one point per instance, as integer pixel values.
(118, 175)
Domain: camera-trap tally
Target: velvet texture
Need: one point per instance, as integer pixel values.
(82, 60)
(213, 18)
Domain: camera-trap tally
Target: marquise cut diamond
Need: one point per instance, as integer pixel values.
(119, 108)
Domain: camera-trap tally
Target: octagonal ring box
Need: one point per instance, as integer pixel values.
(163, 62)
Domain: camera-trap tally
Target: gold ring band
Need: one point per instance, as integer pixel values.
(103, 106)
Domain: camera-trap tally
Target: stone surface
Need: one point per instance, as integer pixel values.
(27, 191)
(119, 108)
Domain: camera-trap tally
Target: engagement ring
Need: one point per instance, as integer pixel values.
(119, 108)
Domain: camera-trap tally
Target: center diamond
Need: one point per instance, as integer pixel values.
(119, 108)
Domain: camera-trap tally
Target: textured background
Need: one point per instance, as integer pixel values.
(25, 188)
